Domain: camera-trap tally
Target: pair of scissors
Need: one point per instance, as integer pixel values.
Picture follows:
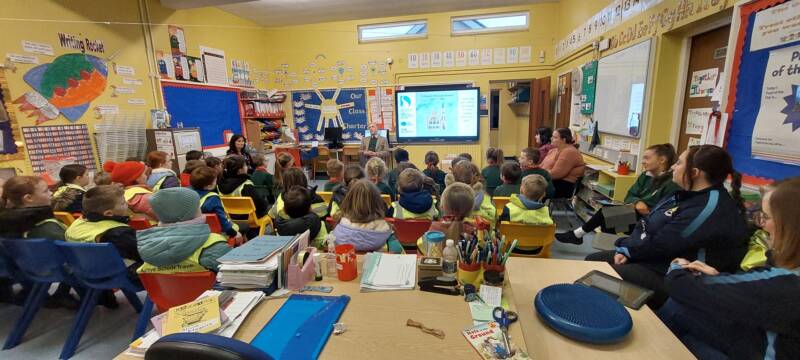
(504, 319)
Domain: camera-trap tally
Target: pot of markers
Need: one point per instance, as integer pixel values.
(469, 268)
(494, 255)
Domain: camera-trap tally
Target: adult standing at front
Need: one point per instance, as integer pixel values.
(373, 145)
(238, 146)
(564, 163)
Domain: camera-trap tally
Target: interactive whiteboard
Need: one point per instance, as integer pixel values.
(621, 84)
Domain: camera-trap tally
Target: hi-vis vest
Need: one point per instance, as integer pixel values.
(238, 191)
(45, 221)
(64, 188)
(533, 217)
(401, 213)
(487, 211)
(86, 231)
(209, 195)
(132, 191)
(190, 264)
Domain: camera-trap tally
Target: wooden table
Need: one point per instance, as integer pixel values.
(376, 324)
(649, 339)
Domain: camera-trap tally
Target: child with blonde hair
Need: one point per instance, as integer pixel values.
(376, 171)
(457, 201)
(527, 206)
(361, 220)
(334, 168)
(413, 200)
(352, 173)
(161, 174)
(483, 207)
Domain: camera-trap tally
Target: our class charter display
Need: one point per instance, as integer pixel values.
(437, 115)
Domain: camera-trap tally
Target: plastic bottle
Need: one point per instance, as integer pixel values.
(330, 257)
(449, 259)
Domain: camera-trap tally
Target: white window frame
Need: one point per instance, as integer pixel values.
(393, 37)
(525, 27)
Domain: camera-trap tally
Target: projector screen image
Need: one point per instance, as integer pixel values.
(437, 115)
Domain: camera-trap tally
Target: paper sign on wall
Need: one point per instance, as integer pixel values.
(37, 48)
(716, 95)
(448, 59)
(776, 26)
(436, 59)
(413, 61)
(124, 70)
(499, 56)
(131, 81)
(525, 54)
(461, 58)
(425, 60)
(777, 129)
(486, 56)
(703, 82)
(474, 57)
(136, 101)
(22, 59)
(512, 55)
(696, 120)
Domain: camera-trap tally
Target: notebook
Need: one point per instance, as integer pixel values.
(256, 249)
(384, 272)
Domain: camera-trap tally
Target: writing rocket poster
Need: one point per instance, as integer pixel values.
(776, 134)
(66, 86)
(315, 110)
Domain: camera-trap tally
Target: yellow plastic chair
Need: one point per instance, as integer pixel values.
(64, 217)
(235, 205)
(326, 195)
(529, 236)
(387, 199)
(500, 203)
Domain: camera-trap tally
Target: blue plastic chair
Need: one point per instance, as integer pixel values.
(41, 262)
(203, 346)
(99, 267)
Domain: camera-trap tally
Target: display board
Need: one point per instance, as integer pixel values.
(763, 102)
(621, 88)
(314, 110)
(437, 114)
(213, 109)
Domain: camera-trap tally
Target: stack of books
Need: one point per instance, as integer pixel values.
(252, 265)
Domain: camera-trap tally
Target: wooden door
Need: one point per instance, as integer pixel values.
(540, 107)
(707, 53)
(564, 100)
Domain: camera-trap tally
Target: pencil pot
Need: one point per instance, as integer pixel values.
(346, 262)
(494, 275)
(470, 274)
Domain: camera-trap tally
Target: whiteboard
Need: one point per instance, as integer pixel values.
(621, 84)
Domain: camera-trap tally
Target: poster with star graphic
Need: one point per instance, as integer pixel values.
(776, 134)
(314, 110)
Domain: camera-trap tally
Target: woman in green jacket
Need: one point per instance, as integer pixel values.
(654, 184)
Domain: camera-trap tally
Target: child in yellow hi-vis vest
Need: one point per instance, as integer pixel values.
(182, 241)
(203, 181)
(414, 201)
(468, 173)
(297, 205)
(527, 206)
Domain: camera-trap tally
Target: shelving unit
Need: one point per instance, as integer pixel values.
(263, 113)
(601, 185)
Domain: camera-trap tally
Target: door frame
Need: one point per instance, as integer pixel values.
(569, 122)
(683, 64)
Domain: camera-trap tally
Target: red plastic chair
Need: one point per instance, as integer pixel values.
(408, 231)
(213, 223)
(139, 223)
(168, 290)
(185, 179)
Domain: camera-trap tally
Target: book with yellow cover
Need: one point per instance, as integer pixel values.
(199, 316)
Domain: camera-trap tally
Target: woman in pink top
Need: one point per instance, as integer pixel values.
(564, 162)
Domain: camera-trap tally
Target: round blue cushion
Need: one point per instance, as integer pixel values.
(583, 313)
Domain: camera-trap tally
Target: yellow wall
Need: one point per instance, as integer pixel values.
(118, 24)
(325, 44)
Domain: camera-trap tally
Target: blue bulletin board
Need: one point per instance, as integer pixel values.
(314, 110)
(212, 109)
(745, 101)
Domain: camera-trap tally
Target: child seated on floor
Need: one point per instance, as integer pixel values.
(510, 174)
(491, 173)
(295, 177)
(186, 174)
(204, 182)
(334, 168)
(361, 220)
(527, 206)
(352, 173)
(131, 175)
(483, 207)
(376, 170)
(414, 201)
(456, 203)
(530, 163)
(182, 241)
(105, 220)
(161, 174)
(297, 205)
(69, 191)
(432, 169)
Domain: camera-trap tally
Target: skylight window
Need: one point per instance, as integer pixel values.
(393, 31)
(515, 21)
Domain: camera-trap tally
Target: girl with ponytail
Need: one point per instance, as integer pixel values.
(457, 203)
(68, 193)
(702, 221)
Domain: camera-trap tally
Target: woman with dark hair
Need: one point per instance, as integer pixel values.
(654, 184)
(238, 146)
(750, 315)
(564, 163)
(702, 221)
(543, 143)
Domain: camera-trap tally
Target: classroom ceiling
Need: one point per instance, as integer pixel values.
(296, 12)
